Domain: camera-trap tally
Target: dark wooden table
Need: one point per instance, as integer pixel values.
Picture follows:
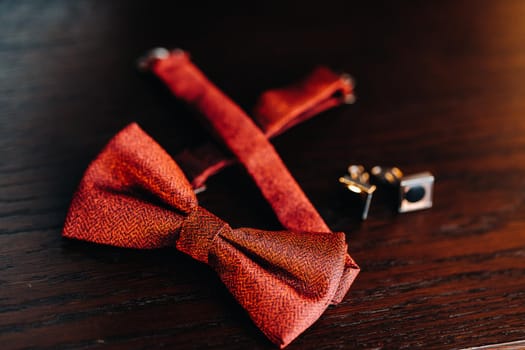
(440, 85)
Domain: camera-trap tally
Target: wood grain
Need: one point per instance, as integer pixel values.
(440, 87)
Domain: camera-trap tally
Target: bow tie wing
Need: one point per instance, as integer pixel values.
(132, 195)
(285, 280)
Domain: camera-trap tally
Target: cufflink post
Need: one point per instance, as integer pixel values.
(357, 181)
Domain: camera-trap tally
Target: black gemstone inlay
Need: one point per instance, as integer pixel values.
(415, 194)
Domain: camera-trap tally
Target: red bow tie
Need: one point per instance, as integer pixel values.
(134, 195)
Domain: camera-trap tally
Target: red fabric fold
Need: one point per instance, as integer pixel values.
(134, 195)
(278, 110)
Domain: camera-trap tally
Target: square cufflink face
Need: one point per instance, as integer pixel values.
(416, 192)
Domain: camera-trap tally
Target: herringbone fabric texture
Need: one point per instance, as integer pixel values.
(134, 195)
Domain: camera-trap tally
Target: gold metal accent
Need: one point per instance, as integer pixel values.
(357, 181)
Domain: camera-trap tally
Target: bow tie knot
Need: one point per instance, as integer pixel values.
(198, 233)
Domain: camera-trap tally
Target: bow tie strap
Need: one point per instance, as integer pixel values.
(251, 147)
(244, 139)
(276, 111)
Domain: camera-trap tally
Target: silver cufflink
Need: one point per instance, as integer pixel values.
(358, 181)
(415, 191)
